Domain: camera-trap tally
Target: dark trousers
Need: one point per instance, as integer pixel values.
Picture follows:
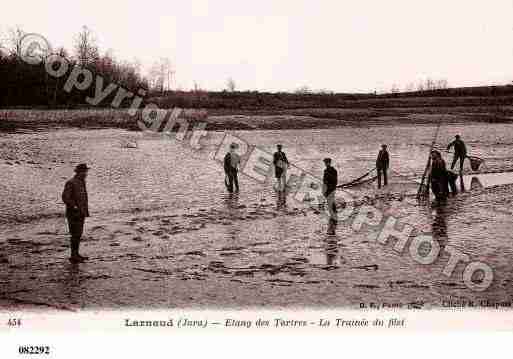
(382, 172)
(451, 178)
(76, 229)
(455, 159)
(233, 180)
(440, 188)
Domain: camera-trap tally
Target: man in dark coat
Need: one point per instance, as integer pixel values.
(330, 181)
(281, 163)
(231, 165)
(382, 163)
(460, 152)
(74, 197)
(439, 177)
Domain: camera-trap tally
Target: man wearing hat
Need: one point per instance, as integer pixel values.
(281, 163)
(382, 163)
(330, 181)
(74, 197)
(231, 165)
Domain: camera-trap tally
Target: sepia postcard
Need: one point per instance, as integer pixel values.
(281, 167)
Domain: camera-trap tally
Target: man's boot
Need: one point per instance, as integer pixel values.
(75, 258)
(82, 258)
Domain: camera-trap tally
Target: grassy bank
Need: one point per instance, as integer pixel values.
(355, 112)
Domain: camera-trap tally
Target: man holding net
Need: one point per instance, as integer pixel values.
(460, 152)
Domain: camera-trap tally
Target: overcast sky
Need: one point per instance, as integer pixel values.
(272, 45)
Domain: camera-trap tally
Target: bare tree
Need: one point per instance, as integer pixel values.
(303, 90)
(420, 86)
(86, 48)
(230, 84)
(410, 87)
(442, 84)
(4, 51)
(15, 38)
(161, 74)
(430, 84)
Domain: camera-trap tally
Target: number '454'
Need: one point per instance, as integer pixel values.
(14, 322)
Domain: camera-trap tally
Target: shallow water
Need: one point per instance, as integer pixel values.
(165, 174)
(163, 231)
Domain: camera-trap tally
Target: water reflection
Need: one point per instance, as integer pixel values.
(331, 250)
(281, 200)
(231, 201)
(475, 184)
(439, 226)
(440, 215)
(72, 287)
(462, 184)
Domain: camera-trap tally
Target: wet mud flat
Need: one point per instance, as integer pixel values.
(164, 233)
(263, 254)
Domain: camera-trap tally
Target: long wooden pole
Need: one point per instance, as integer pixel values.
(426, 169)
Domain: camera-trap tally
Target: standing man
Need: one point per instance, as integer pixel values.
(330, 181)
(74, 197)
(382, 163)
(231, 165)
(460, 152)
(281, 163)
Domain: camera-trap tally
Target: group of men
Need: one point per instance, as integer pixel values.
(75, 197)
(441, 179)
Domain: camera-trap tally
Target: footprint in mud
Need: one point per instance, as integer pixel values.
(162, 257)
(366, 286)
(40, 251)
(299, 259)
(329, 267)
(115, 244)
(407, 284)
(141, 229)
(247, 273)
(281, 282)
(47, 233)
(258, 244)
(94, 277)
(97, 228)
(452, 285)
(195, 253)
(367, 267)
(218, 267)
(261, 251)
(231, 248)
(132, 256)
(228, 254)
(137, 239)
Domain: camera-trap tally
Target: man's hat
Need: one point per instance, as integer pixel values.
(279, 145)
(81, 167)
(234, 145)
(327, 160)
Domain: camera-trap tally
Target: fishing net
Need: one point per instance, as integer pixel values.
(475, 162)
(360, 180)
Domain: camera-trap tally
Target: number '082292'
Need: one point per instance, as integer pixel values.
(34, 349)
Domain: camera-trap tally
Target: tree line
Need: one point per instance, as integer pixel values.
(25, 84)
